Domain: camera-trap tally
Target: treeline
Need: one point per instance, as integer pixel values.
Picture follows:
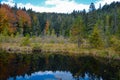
(22, 21)
(97, 25)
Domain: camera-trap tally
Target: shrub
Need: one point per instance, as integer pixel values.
(37, 47)
(25, 41)
(115, 43)
(4, 38)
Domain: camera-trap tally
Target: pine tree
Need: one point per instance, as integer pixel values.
(95, 38)
(92, 7)
(77, 30)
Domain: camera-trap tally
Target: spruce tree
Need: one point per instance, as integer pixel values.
(77, 30)
(95, 38)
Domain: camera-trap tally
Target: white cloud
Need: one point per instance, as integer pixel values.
(59, 6)
(65, 6)
(10, 2)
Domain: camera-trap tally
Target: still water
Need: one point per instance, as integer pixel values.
(49, 75)
(42, 66)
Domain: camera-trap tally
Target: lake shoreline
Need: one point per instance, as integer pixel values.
(66, 49)
(22, 64)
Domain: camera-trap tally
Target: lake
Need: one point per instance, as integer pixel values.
(49, 66)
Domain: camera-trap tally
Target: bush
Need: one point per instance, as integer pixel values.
(37, 47)
(4, 38)
(115, 43)
(25, 41)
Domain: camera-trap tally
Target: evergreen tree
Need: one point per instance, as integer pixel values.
(77, 30)
(92, 7)
(107, 31)
(91, 21)
(95, 38)
(46, 30)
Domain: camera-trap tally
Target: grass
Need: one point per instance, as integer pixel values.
(47, 45)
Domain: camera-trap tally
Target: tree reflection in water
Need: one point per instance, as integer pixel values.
(57, 67)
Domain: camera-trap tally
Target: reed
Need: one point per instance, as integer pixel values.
(44, 45)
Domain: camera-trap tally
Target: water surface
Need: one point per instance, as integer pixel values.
(41, 66)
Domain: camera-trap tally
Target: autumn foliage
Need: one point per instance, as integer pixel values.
(9, 19)
(46, 27)
(23, 17)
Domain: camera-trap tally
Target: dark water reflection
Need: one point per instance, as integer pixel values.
(57, 67)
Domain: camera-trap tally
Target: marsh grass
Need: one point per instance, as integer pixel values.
(44, 44)
(25, 41)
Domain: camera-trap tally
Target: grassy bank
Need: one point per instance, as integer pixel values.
(51, 45)
(70, 49)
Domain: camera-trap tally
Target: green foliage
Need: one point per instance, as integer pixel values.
(5, 32)
(37, 46)
(53, 32)
(52, 41)
(95, 38)
(17, 34)
(77, 30)
(4, 38)
(25, 41)
(78, 25)
(115, 43)
(92, 7)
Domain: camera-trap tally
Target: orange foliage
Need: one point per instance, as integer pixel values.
(24, 17)
(7, 19)
(46, 27)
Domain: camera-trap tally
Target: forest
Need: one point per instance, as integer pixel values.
(92, 29)
(81, 45)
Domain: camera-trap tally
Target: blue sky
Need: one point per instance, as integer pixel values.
(59, 6)
(41, 2)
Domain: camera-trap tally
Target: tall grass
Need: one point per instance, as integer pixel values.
(55, 44)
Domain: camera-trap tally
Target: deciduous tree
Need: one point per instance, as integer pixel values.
(7, 20)
(24, 21)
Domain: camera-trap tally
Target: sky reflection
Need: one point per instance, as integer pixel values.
(49, 75)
